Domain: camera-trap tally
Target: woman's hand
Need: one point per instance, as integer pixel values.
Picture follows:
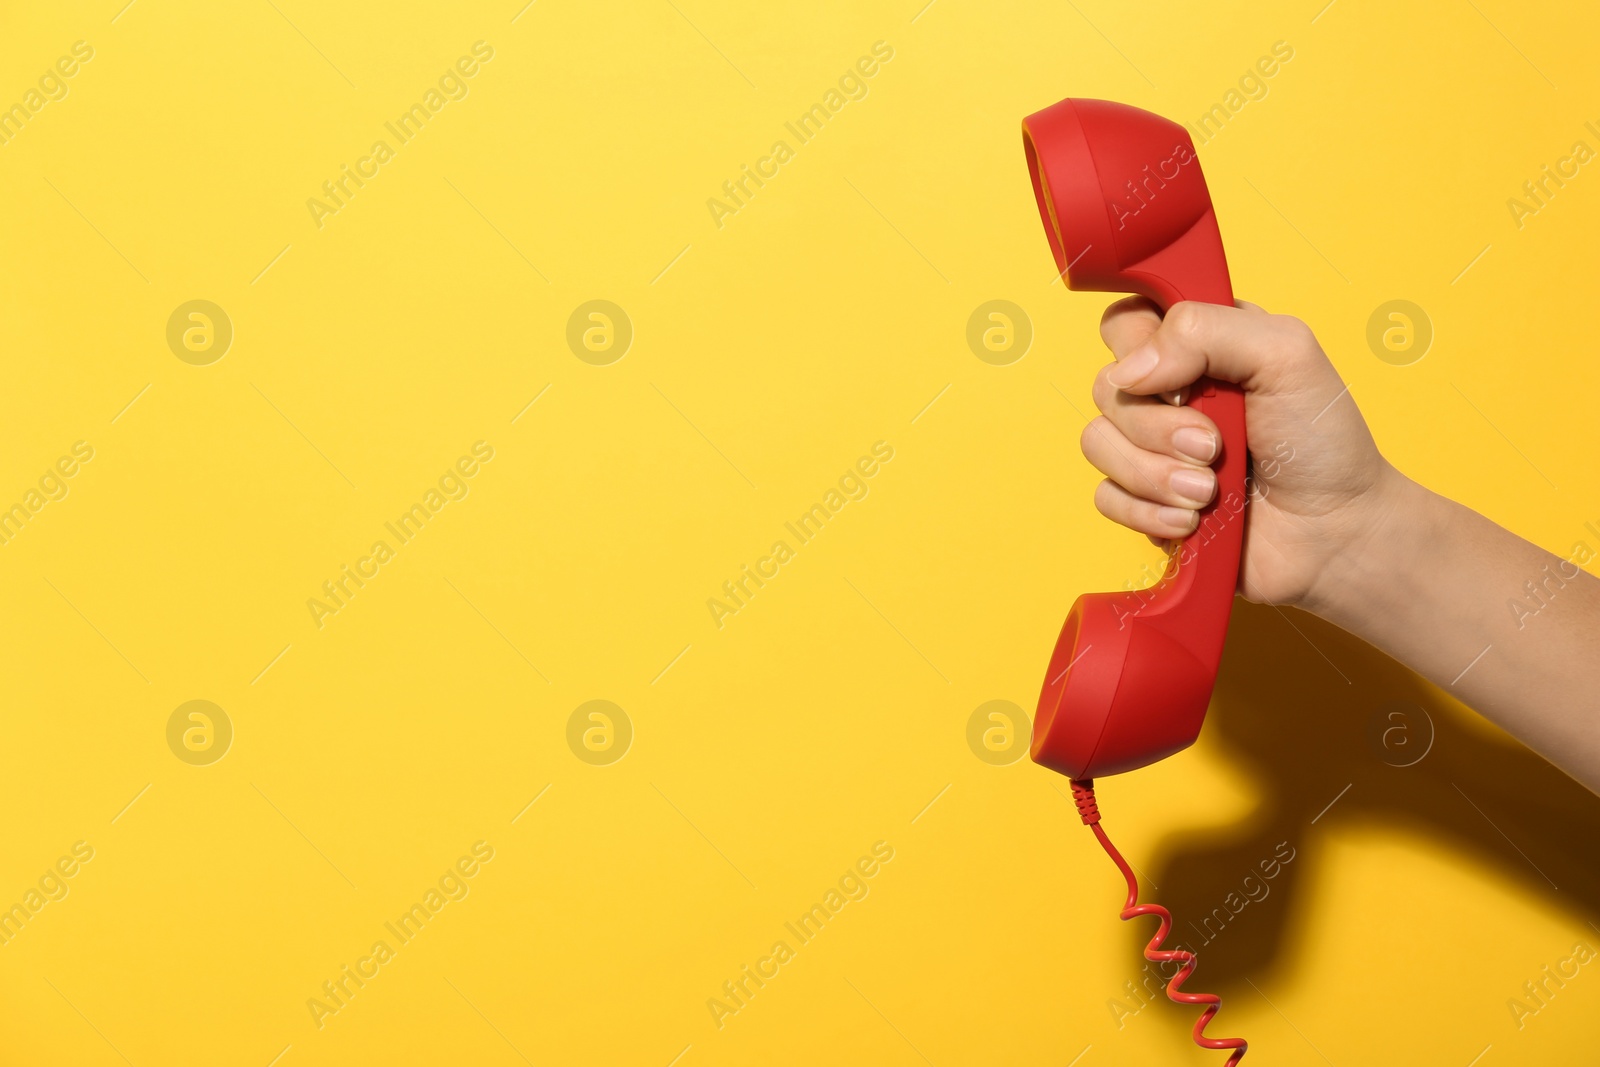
(1320, 488)
(1332, 527)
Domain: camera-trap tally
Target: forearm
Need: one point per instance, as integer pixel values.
(1506, 627)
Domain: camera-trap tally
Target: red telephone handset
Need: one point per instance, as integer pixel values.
(1126, 210)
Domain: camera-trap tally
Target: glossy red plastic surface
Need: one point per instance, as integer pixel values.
(1126, 210)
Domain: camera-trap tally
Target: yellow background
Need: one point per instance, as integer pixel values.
(770, 754)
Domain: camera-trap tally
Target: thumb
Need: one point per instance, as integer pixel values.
(1233, 344)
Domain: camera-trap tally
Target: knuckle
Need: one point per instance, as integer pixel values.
(1116, 310)
(1102, 392)
(1105, 495)
(1107, 320)
(1185, 321)
(1295, 332)
(1087, 437)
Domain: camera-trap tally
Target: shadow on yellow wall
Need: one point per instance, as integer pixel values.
(1300, 712)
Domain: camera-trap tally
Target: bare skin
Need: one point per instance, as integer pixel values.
(1338, 530)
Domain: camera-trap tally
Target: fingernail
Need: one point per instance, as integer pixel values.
(1135, 368)
(1199, 445)
(1194, 485)
(1179, 518)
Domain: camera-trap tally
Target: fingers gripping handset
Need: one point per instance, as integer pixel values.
(1126, 210)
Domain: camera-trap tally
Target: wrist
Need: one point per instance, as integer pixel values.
(1381, 555)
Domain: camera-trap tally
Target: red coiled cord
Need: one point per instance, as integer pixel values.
(1089, 811)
